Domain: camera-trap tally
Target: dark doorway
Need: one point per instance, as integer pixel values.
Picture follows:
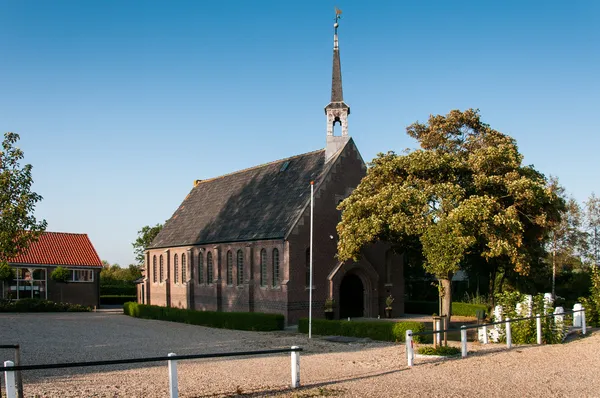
(351, 297)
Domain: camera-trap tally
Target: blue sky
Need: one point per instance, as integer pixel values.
(122, 105)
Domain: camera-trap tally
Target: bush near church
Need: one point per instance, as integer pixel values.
(37, 305)
(256, 321)
(376, 330)
(431, 307)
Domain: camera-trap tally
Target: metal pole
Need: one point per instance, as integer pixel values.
(410, 355)
(463, 340)
(19, 375)
(508, 334)
(295, 368)
(9, 377)
(583, 326)
(538, 324)
(173, 387)
(310, 283)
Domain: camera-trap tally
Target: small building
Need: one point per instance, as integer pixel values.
(72, 251)
(241, 242)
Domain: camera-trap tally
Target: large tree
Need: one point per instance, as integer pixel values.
(463, 194)
(592, 225)
(145, 237)
(18, 226)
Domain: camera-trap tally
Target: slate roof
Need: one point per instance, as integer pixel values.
(59, 248)
(258, 203)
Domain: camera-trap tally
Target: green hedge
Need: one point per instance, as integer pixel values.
(431, 307)
(376, 330)
(225, 320)
(37, 305)
(118, 290)
(116, 299)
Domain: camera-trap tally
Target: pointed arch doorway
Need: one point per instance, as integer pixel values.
(352, 297)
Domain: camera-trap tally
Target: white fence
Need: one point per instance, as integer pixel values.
(578, 322)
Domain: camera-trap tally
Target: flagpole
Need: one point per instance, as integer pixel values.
(310, 283)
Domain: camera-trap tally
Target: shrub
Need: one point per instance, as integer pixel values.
(376, 330)
(37, 305)
(118, 290)
(224, 320)
(116, 299)
(440, 350)
(431, 307)
(591, 304)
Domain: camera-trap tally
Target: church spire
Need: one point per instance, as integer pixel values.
(337, 111)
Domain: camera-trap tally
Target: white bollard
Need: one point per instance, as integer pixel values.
(438, 336)
(559, 318)
(538, 324)
(485, 334)
(173, 387)
(577, 315)
(508, 334)
(9, 379)
(463, 340)
(583, 326)
(410, 354)
(295, 367)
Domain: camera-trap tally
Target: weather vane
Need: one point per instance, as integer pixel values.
(338, 14)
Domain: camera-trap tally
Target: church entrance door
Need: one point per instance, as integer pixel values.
(352, 300)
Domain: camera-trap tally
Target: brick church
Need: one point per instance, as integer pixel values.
(240, 242)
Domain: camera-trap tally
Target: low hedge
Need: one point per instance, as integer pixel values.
(118, 290)
(116, 299)
(225, 320)
(37, 305)
(432, 307)
(376, 330)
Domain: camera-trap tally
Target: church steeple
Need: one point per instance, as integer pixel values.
(337, 111)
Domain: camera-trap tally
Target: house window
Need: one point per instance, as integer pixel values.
(82, 275)
(275, 268)
(28, 283)
(240, 267)
(154, 274)
(263, 267)
(175, 269)
(209, 268)
(200, 268)
(229, 268)
(183, 269)
(307, 273)
(162, 269)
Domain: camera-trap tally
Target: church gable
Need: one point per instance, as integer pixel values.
(259, 203)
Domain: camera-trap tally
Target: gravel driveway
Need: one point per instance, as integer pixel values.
(367, 369)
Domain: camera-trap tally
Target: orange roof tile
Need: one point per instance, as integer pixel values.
(59, 248)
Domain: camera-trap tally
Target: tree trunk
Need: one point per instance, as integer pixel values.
(446, 298)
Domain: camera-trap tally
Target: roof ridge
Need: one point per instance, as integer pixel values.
(64, 233)
(198, 182)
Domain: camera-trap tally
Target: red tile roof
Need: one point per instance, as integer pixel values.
(59, 248)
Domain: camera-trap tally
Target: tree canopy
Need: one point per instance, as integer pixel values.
(464, 193)
(145, 237)
(18, 226)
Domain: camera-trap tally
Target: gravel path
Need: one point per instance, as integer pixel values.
(368, 369)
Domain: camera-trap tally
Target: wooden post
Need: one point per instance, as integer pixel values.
(19, 376)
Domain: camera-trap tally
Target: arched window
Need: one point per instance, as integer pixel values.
(162, 269)
(183, 269)
(154, 270)
(175, 269)
(263, 267)
(200, 268)
(209, 268)
(307, 273)
(229, 268)
(240, 267)
(275, 268)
